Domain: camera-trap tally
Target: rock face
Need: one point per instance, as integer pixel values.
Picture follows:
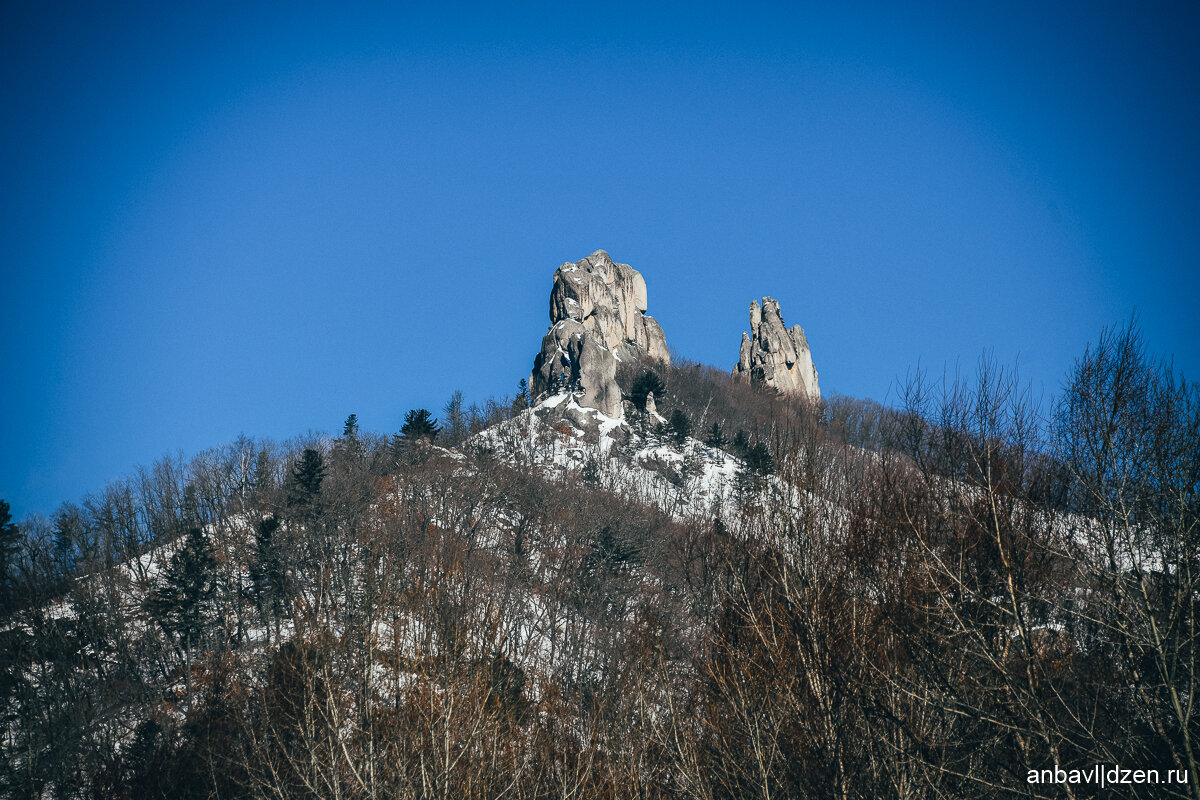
(775, 356)
(597, 317)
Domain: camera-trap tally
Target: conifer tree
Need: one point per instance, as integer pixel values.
(304, 486)
(264, 478)
(267, 573)
(419, 424)
(396, 448)
(759, 459)
(349, 448)
(521, 401)
(10, 545)
(741, 444)
(184, 602)
(68, 524)
(454, 426)
(716, 437)
(646, 383)
(681, 426)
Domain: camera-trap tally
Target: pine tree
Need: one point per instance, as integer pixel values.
(646, 383)
(190, 512)
(419, 424)
(264, 477)
(521, 401)
(681, 426)
(183, 605)
(349, 448)
(304, 486)
(10, 546)
(267, 573)
(184, 602)
(716, 437)
(759, 459)
(68, 524)
(741, 444)
(396, 448)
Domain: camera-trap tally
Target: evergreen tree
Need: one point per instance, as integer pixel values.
(10, 545)
(759, 459)
(419, 424)
(68, 535)
(184, 602)
(506, 683)
(646, 383)
(304, 486)
(590, 474)
(741, 444)
(610, 551)
(681, 426)
(267, 572)
(349, 448)
(264, 477)
(521, 401)
(190, 513)
(716, 437)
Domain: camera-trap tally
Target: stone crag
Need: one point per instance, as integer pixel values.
(597, 317)
(774, 356)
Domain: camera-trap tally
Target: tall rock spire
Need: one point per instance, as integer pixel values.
(773, 355)
(597, 317)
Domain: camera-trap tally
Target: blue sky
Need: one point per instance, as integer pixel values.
(257, 219)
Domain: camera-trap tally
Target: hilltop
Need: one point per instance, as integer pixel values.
(638, 577)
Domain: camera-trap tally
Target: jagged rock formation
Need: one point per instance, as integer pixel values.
(610, 300)
(574, 357)
(597, 317)
(775, 356)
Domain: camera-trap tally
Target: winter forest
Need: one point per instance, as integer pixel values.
(730, 592)
(309, 489)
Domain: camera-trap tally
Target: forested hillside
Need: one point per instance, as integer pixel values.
(727, 593)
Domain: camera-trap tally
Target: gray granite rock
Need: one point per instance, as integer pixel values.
(597, 317)
(772, 355)
(610, 300)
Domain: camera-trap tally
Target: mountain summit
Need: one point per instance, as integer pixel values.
(597, 317)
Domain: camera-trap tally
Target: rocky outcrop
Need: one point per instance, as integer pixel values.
(610, 300)
(774, 356)
(572, 357)
(597, 317)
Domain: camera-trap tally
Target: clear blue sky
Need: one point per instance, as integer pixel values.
(260, 218)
